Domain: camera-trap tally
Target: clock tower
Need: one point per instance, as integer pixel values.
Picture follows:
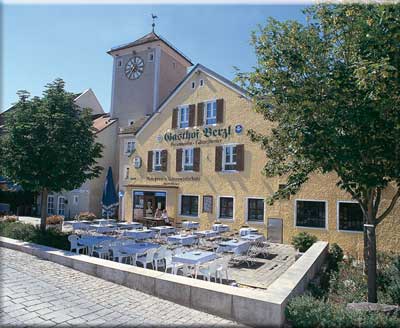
(144, 73)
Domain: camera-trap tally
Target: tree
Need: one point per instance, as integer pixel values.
(332, 88)
(49, 144)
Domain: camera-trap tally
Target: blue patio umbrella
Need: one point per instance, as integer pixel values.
(110, 199)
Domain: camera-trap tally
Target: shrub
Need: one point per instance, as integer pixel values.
(303, 241)
(54, 219)
(306, 311)
(86, 216)
(30, 233)
(335, 256)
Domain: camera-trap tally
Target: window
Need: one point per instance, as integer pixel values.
(157, 160)
(189, 205)
(61, 205)
(173, 65)
(76, 200)
(184, 117)
(310, 214)
(255, 210)
(229, 158)
(119, 63)
(193, 85)
(350, 216)
(50, 204)
(151, 56)
(226, 208)
(201, 82)
(126, 174)
(129, 147)
(130, 122)
(187, 159)
(210, 112)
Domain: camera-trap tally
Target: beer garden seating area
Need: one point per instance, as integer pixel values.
(240, 258)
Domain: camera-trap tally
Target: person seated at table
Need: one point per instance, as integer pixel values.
(164, 216)
(157, 215)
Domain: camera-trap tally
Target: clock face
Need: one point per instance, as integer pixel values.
(134, 68)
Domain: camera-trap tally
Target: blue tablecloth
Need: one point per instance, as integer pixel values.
(91, 241)
(137, 248)
(184, 240)
(238, 247)
(164, 230)
(247, 231)
(220, 227)
(194, 257)
(103, 228)
(130, 225)
(253, 237)
(190, 225)
(139, 234)
(206, 233)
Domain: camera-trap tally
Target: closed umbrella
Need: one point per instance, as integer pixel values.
(110, 200)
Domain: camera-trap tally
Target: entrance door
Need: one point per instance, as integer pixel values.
(149, 205)
(275, 230)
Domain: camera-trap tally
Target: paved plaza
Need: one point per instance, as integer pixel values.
(36, 292)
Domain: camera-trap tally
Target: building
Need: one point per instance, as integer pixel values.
(194, 158)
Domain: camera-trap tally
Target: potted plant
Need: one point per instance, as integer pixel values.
(54, 222)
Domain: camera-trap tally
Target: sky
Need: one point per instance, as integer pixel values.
(44, 42)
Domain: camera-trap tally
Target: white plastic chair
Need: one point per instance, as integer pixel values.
(147, 257)
(222, 267)
(159, 256)
(74, 241)
(103, 250)
(209, 271)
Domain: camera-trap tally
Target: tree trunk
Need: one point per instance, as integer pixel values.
(365, 249)
(43, 209)
(371, 267)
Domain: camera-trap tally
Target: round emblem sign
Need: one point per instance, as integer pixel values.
(238, 128)
(137, 161)
(159, 138)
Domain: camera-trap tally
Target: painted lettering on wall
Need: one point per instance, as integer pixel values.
(196, 134)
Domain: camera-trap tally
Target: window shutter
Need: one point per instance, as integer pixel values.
(218, 158)
(175, 118)
(220, 110)
(149, 161)
(200, 114)
(179, 160)
(240, 157)
(196, 159)
(192, 115)
(164, 160)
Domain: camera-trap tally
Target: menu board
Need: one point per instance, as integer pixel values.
(207, 204)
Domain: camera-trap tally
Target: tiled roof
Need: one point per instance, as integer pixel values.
(135, 126)
(151, 37)
(102, 122)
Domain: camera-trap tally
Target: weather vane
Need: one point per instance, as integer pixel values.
(153, 17)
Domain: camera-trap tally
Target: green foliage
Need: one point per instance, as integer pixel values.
(16, 198)
(335, 257)
(28, 232)
(303, 241)
(306, 311)
(332, 89)
(389, 278)
(49, 142)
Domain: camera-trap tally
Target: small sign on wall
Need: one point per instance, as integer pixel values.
(137, 161)
(207, 204)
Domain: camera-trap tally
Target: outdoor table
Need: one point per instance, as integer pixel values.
(139, 234)
(154, 221)
(206, 233)
(137, 248)
(247, 231)
(182, 239)
(236, 246)
(91, 241)
(79, 225)
(190, 225)
(194, 257)
(105, 221)
(220, 227)
(103, 228)
(129, 225)
(253, 237)
(163, 230)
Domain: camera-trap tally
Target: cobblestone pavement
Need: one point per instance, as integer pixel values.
(36, 292)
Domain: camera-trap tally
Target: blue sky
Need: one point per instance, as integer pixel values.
(41, 43)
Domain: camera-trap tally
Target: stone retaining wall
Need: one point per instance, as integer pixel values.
(247, 306)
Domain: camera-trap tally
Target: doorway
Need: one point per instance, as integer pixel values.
(145, 203)
(275, 230)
